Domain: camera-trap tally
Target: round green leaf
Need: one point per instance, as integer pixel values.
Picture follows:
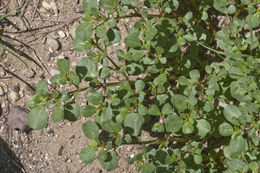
(108, 4)
(187, 128)
(91, 130)
(63, 66)
(179, 101)
(84, 31)
(133, 123)
(148, 168)
(114, 35)
(57, 114)
(87, 110)
(41, 88)
(173, 123)
(58, 79)
(102, 155)
(71, 111)
(87, 155)
(37, 118)
(197, 159)
(232, 114)
(111, 162)
(225, 129)
(139, 85)
(93, 96)
(111, 127)
(203, 127)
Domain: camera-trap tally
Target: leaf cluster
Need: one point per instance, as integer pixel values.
(191, 84)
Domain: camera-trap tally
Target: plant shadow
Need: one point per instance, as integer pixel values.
(9, 162)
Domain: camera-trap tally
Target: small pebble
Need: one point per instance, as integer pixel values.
(14, 96)
(78, 9)
(53, 44)
(54, 72)
(61, 34)
(54, 7)
(17, 119)
(46, 5)
(15, 88)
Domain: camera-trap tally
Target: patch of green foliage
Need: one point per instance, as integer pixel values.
(191, 84)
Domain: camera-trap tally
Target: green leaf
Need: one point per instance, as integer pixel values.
(254, 167)
(225, 129)
(101, 31)
(92, 67)
(133, 123)
(74, 78)
(194, 75)
(173, 123)
(111, 162)
(41, 88)
(236, 164)
(37, 118)
(232, 114)
(91, 130)
(87, 155)
(64, 96)
(108, 4)
(132, 40)
(105, 72)
(63, 66)
(148, 168)
(238, 145)
(139, 85)
(93, 96)
(87, 110)
(84, 31)
(133, 3)
(167, 109)
(71, 111)
(80, 45)
(198, 159)
(102, 155)
(154, 110)
(160, 80)
(203, 127)
(114, 35)
(111, 127)
(91, 7)
(57, 114)
(179, 101)
(58, 79)
(187, 128)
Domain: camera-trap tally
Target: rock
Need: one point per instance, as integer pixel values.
(46, 5)
(15, 88)
(54, 7)
(78, 9)
(54, 72)
(29, 73)
(17, 119)
(61, 34)
(53, 44)
(14, 96)
(56, 149)
(2, 73)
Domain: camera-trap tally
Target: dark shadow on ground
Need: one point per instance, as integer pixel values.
(9, 162)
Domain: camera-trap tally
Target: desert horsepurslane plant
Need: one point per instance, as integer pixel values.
(189, 81)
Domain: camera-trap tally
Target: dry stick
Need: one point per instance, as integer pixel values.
(38, 59)
(35, 9)
(16, 164)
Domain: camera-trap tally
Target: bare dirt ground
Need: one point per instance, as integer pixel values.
(41, 32)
